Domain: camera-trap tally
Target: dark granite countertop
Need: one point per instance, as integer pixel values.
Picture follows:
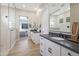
(35, 31)
(65, 43)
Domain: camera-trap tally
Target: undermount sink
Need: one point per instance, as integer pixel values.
(57, 38)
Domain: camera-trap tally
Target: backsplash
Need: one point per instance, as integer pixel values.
(60, 34)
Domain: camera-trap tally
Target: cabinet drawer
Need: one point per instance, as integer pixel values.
(52, 49)
(67, 52)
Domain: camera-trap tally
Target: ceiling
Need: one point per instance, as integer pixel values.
(33, 7)
(28, 6)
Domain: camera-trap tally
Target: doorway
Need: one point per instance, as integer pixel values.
(23, 27)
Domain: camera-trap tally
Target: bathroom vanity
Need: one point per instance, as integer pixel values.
(57, 47)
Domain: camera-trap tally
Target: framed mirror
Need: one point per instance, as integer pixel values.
(60, 19)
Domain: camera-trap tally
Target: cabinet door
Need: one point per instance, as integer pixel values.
(37, 38)
(52, 49)
(42, 46)
(32, 36)
(67, 52)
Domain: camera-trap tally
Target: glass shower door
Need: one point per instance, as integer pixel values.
(12, 23)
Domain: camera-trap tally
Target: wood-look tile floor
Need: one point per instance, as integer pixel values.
(25, 47)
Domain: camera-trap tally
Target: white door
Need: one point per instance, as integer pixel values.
(12, 24)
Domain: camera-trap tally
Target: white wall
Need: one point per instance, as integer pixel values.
(74, 11)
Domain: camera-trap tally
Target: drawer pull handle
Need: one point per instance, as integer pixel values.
(50, 50)
(69, 54)
(41, 38)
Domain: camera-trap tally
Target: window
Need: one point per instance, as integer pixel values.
(23, 23)
(24, 26)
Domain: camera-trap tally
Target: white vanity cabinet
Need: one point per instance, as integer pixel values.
(35, 37)
(48, 48)
(43, 46)
(67, 52)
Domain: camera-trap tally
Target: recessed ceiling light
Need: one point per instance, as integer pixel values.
(35, 9)
(24, 6)
(38, 11)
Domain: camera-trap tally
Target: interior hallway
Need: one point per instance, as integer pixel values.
(25, 47)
